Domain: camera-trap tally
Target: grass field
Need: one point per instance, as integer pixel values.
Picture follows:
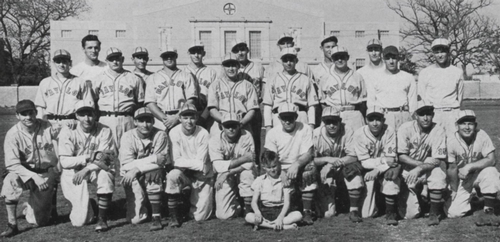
(337, 228)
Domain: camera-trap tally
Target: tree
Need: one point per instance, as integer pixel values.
(456, 20)
(25, 27)
(405, 62)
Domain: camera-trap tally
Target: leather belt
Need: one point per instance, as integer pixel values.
(106, 113)
(60, 117)
(397, 109)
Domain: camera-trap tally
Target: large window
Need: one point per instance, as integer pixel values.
(360, 63)
(65, 33)
(255, 44)
(229, 37)
(359, 34)
(121, 33)
(206, 40)
(335, 33)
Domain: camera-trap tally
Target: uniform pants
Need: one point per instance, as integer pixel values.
(390, 188)
(226, 201)
(39, 207)
(118, 125)
(327, 189)
(136, 196)
(78, 195)
(395, 119)
(201, 198)
(353, 119)
(446, 119)
(487, 180)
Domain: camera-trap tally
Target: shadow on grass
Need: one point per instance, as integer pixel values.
(118, 209)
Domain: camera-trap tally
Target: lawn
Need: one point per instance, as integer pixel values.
(336, 228)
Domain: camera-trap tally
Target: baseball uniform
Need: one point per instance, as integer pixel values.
(28, 155)
(88, 72)
(74, 146)
(421, 146)
(276, 67)
(371, 152)
(192, 168)
(222, 151)
(205, 76)
(140, 153)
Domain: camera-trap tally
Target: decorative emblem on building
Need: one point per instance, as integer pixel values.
(229, 9)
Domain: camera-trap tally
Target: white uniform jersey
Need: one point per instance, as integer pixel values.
(25, 152)
(228, 96)
(58, 95)
(143, 75)
(370, 73)
(365, 145)
(205, 76)
(88, 72)
(325, 145)
(276, 67)
(441, 87)
(297, 89)
(462, 154)
(394, 91)
(289, 146)
(222, 151)
(190, 152)
(419, 145)
(170, 93)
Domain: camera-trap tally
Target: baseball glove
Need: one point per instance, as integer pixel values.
(104, 159)
(155, 176)
(351, 170)
(309, 174)
(392, 173)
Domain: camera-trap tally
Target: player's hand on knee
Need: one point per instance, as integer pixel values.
(80, 176)
(413, 175)
(371, 175)
(463, 172)
(324, 172)
(221, 178)
(129, 177)
(40, 182)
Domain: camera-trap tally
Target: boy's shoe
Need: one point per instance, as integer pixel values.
(11, 231)
(308, 218)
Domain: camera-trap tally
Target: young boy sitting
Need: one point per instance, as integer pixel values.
(271, 201)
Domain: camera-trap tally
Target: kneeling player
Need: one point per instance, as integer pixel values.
(192, 168)
(421, 150)
(271, 198)
(86, 155)
(375, 147)
(143, 153)
(29, 167)
(330, 141)
(233, 154)
(471, 158)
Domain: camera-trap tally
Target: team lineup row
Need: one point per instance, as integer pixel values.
(297, 162)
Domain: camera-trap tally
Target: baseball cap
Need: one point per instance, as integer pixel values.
(140, 51)
(236, 43)
(338, 50)
(466, 115)
(113, 51)
(423, 106)
(288, 51)
(61, 54)
(287, 108)
(187, 108)
(86, 104)
(284, 37)
(374, 43)
(391, 50)
(329, 38)
(230, 118)
(25, 105)
(440, 42)
(229, 58)
(169, 51)
(197, 45)
(374, 111)
(143, 112)
(331, 112)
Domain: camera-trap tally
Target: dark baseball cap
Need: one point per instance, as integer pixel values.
(391, 50)
(61, 54)
(25, 105)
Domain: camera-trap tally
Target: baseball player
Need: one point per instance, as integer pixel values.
(471, 158)
(233, 155)
(120, 93)
(292, 141)
(395, 91)
(143, 154)
(192, 168)
(271, 200)
(231, 94)
(375, 66)
(290, 86)
(140, 57)
(79, 152)
(91, 66)
(442, 85)
(31, 164)
(338, 85)
(168, 89)
(204, 77)
(422, 151)
(330, 142)
(374, 145)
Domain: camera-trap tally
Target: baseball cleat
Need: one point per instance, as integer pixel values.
(390, 218)
(156, 224)
(174, 222)
(487, 217)
(102, 225)
(433, 220)
(11, 231)
(355, 217)
(308, 218)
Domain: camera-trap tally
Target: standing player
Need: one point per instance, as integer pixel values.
(80, 151)
(290, 86)
(91, 66)
(143, 154)
(292, 141)
(471, 158)
(339, 86)
(421, 151)
(168, 89)
(205, 76)
(140, 57)
(376, 65)
(374, 145)
(330, 143)
(192, 168)
(231, 94)
(442, 85)
(233, 155)
(31, 164)
(120, 93)
(249, 70)
(395, 91)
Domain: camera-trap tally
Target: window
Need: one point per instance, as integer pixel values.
(94, 32)
(359, 34)
(255, 44)
(65, 33)
(384, 32)
(229, 37)
(206, 40)
(121, 33)
(335, 32)
(360, 63)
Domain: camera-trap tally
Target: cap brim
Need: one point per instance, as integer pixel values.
(190, 111)
(283, 56)
(113, 54)
(440, 45)
(84, 109)
(375, 114)
(466, 118)
(140, 54)
(228, 62)
(374, 45)
(329, 117)
(237, 45)
(230, 121)
(61, 57)
(329, 39)
(144, 115)
(196, 47)
(424, 108)
(168, 53)
(25, 109)
(284, 39)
